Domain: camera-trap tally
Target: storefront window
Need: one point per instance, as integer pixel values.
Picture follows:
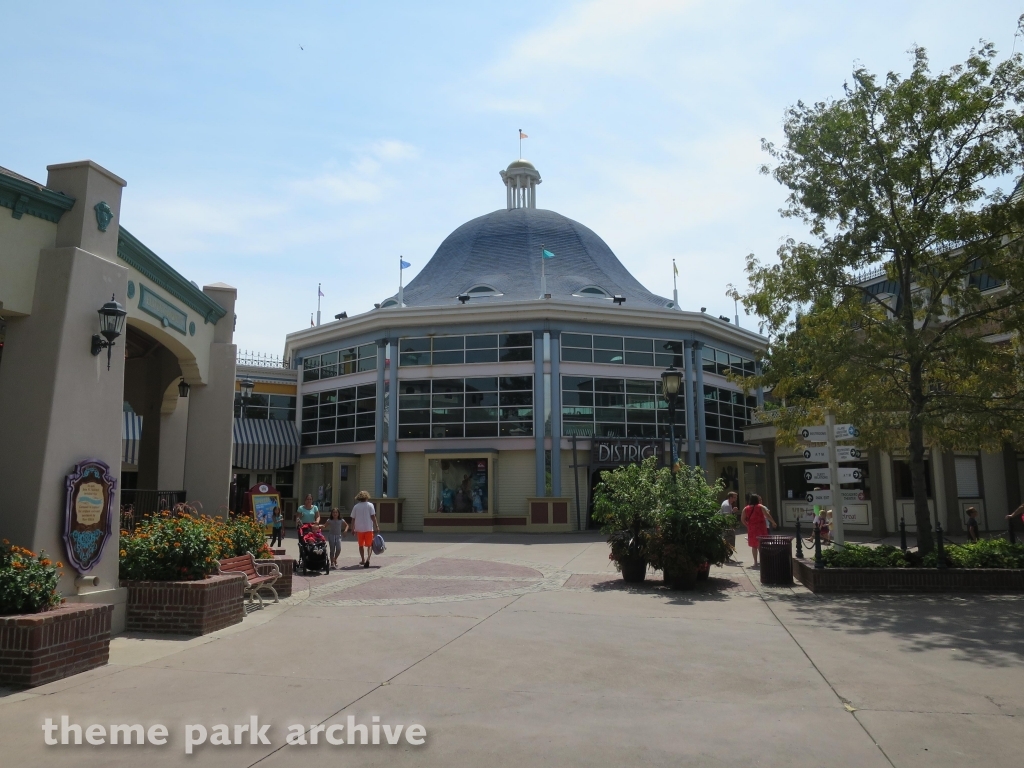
(339, 415)
(339, 363)
(902, 482)
(478, 407)
(615, 408)
(458, 485)
(457, 350)
(316, 481)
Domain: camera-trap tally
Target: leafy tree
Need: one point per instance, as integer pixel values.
(901, 315)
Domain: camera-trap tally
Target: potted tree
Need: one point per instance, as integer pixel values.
(688, 536)
(624, 505)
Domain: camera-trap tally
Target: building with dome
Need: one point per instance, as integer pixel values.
(524, 358)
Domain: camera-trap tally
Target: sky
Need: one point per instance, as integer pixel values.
(274, 146)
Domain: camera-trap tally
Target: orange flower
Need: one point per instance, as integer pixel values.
(60, 564)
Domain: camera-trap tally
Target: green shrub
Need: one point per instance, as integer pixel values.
(28, 582)
(987, 553)
(170, 547)
(246, 534)
(624, 505)
(688, 527)
(859, 556)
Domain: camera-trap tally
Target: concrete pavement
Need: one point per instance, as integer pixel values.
(529, 650)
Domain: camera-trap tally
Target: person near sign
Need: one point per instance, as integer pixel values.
(276, 526)
(756, 518)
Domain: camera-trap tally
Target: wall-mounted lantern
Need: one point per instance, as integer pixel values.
(245, 386)
(183, 388)
(112, 317)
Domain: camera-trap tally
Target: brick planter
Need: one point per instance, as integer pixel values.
(284, 584)
(185, 607)
(39, 648)
(881, 580)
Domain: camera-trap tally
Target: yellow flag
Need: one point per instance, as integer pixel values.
(675, 269)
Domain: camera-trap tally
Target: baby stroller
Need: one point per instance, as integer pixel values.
(313, 549)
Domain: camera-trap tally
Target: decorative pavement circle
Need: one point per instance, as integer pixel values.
(433, 579)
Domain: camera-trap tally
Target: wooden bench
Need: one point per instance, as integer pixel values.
(255, 580)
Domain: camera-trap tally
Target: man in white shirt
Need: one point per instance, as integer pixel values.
(364, 523)
(729, 505)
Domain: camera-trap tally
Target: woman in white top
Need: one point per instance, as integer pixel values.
(364, 523)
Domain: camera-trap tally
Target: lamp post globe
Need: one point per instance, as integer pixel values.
(245, 386)
(112, 317)
(671, 383)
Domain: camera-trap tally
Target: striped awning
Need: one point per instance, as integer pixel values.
(131, 436)
(264, 444)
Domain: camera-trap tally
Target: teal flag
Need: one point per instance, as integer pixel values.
(547, 254)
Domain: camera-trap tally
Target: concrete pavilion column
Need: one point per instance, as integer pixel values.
(702, 435)
(538, 408)
(393, 422)
(211, 414)
(556, 417)
(59, 404)
(378, 460)
(691, 419)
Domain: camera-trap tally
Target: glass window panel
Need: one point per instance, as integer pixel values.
(347, 361)
(640, 402)
(639, 358)
(487, 384)
(413, 432)
(482, 429)
(310, 413)
(446, 415)
(487, 341)
(481, 414)
(516, 428)
(346, 422)
(367, 363)
(711, 419)
(326, 424)
(577, 340)
(414, 358)
(325, 438)
(448, 386)
(442, 343)
(481, 399)
(282, 401)
(481, 355)
(344, 395)
(641, 430)
(368, 350)
(414, 417)
(570, 355)
(311, 374)
(516, 355)
(364, 433)
(345, 436)
(414, 345)
(610, 414)
(721, 356)
(608, 356)
(447, 400)
(712, 434)
(448, 358)
(446, 430)
(257, 412)
(639, 416)
(608, 342)
(308, 400)
(516, 382)
(577, 398)
(577, 413)
(327, 410)
(308, 438)
(413, 401)
(515, 414)
(346, 407)
(748, 368)
(639, 345)
(579, 383)
(665, 345)
(664, 361)
(328, 358)
(365, 419)
(641, 387)
(366, 406)
(751, 402)
(414, 386)
(609, 385)
(313, 361)
(282, 414)
(366, 390)
(609, 399)
(609, 430)
(516, 398)
(516, 340)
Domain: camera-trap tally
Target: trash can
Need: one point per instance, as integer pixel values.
(776, 560)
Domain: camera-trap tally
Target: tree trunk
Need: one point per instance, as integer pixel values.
(918, 477)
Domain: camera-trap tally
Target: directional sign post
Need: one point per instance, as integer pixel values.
(844, 453)
(846, 475)
(829, 434)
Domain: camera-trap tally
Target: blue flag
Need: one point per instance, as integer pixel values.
(405, 264)
(547, 254)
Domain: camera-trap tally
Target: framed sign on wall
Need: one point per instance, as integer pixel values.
(88, 513)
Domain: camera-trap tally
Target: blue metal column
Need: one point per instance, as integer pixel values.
(538, 408)
(556, 418)
(378, 464)
(691, 419)
(760, 390)
(702, 436)
(393, 423)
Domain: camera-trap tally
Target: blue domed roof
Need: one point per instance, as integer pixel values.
(502, 251)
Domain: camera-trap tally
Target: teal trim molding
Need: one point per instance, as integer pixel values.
(131, 251)
(191, 329)
(25, 197)
(169, 315)
(131, 290)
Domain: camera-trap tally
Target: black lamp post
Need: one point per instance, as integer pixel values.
(112, 316)
(671, 382)
(245, 387)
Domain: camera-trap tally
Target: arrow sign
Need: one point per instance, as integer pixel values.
(824, 498)
(846, 475)
(844, 453)
(819, 434)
